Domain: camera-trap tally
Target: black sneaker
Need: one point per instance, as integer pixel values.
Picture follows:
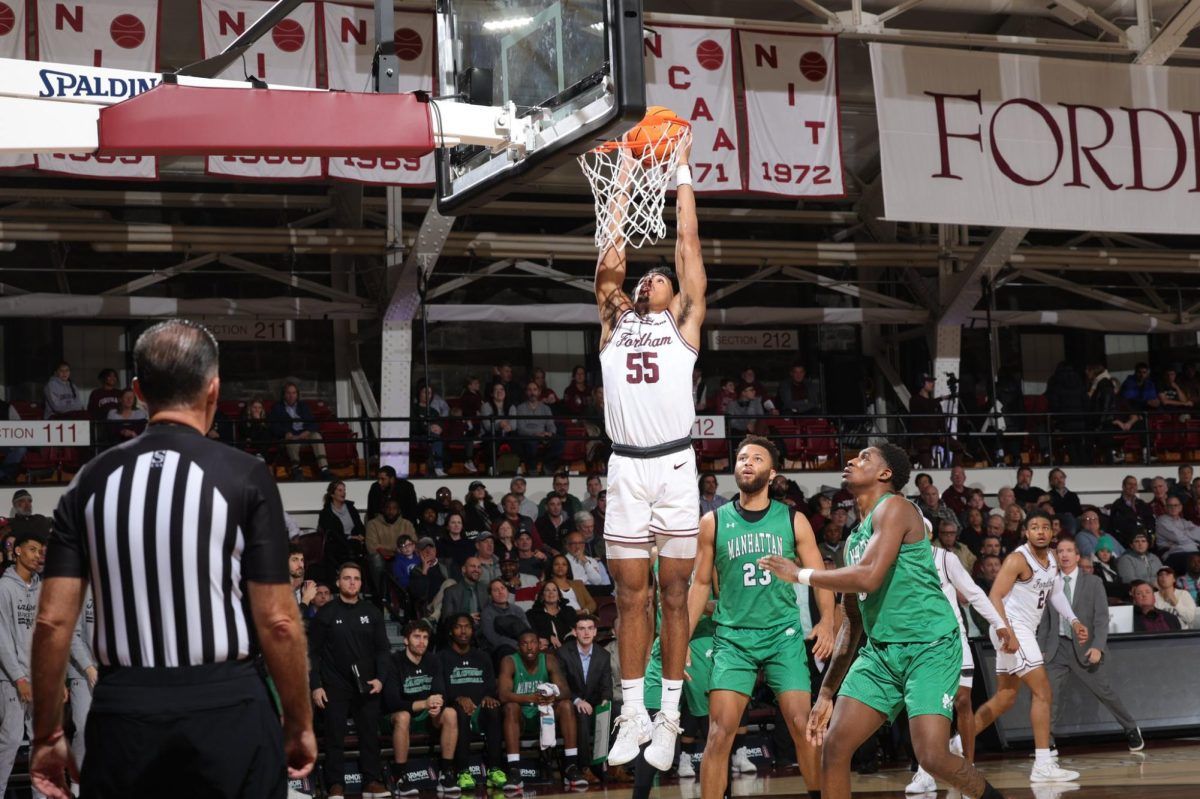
(448, 784)
(573, 777)
(404, 787)
(1134, 736)
(515, 784)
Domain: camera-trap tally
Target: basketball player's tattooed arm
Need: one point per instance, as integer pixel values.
(702, 577)
(689, 305)
(844, 651)
(1014, 568)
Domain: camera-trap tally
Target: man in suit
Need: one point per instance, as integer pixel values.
(588, 670)
(1063, 655)
(468, 595)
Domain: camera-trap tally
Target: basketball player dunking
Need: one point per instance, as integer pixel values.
(648, 347)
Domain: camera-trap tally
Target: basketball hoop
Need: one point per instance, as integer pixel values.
(629, 179)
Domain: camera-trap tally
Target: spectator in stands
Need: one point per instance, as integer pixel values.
(471, 690)
(303, 590)
(1062, 498)
(798, 394)
(127, 420)
(1089, 532)
(387, 486)
(599, 445)
(527, 507)
(1024, 491)
(348, 657)
(1004, 497)
(531, 558)
(502, 622)
(382, 535)
(561, 488)
(548, 395)
(554, 523)
(594, 486)
(720, 402)
(414, 695)
(521, 587)
(577, 393)
(1158, 496)
(489, 562)
(710, 500)
(1138, 563)
(344, 532)
(1177, 538)
(468, 595)
(972, 532)
(497, 428)
(428, 429)
(1191, 505)
(1139, 390)
(453, 546)
(841, 518)
(574, 592)
(292, 422)
(254, 431)
(505, 539)
(930, 505)
(596, 546)
(427, 520)
(987, 567)
(588, 671)
(1170, 394)
(921, 480)
(405, 560)
(699, 390)
(1190, 580)
(584, 568)
(1128, 514)
(1175, 600)
(1183, 484)
(1012, 537)
(1189, 381)
(743, 414)
(221, 428)
(926, 421)
(1147, 618)
(832, 546)
(947, 539)
(503, 374)
(60, 395)
(479, 511)
(1102, 402)
(593, 545)
(470, 401)
(513, 512)
(104, 399)
(445, 504)
(994, 526)
(1105, 566)
(529, 679)
(536, 432)
(955, 497)
(1066, 397)
(426, 578)
(551, 617)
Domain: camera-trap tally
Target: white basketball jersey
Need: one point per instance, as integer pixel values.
(647, 369)
(939, 562)
(1027, 600)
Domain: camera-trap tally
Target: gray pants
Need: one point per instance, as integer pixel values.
(1093, 678)
(81, 703)
(17, 722)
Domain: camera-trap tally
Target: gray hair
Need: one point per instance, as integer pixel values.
(582, 517)
(174, 361)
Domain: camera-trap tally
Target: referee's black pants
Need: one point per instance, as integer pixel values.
(199, 732)
(364, 710)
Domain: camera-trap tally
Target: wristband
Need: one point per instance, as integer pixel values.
(683, 175)
(803, 576)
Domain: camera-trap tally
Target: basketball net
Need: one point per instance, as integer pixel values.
(629, 182)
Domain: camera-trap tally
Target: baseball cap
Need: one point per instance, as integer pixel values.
(426, 542)
(1139, 534)
(476, 484)
(482, 535)
(21, 493)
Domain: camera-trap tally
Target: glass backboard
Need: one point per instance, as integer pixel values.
(572, 67)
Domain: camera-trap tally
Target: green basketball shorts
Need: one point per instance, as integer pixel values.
(695, 690)
(738, 654)
(920, 677)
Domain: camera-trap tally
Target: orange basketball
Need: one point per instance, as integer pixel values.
(654, 135)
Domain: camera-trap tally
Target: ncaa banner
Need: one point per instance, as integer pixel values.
(690, 71)
(12, 45)
(116, 34)
(287, 55)
(1015, 140)
(349, 51)
(793, 135)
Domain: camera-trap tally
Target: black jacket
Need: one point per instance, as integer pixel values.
(409, 682)
(329, 523)
(470, 675)
(546, 626)
(402, 491)
(344, 635)
(597, 687)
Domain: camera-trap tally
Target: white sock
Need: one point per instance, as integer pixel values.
(671, 691)
(633, 696)
(571, 752)
(514, 758)
(1041, 756)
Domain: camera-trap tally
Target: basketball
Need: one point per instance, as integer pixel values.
(127, 31)
(408, 44)
(813, 66)
(288, 35)
(646, 139)
(709, 54)
(7, 20)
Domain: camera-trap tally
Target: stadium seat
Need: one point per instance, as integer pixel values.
(1168, 436)
(28, 411)
(340, 444)
(821, 445)
(574, 444)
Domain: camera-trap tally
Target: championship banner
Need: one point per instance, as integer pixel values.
(1016, 140)
(349, 51)
(287, 55)
(117, 34)
(12, 45)
(793, 133)
(690, 71)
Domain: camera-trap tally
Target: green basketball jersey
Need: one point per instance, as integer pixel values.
(526, 682)
(750, 596)
(909, 606)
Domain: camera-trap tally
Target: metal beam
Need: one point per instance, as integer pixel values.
(820, 11)
(80, 306)
(963, 289)
(550, 272)
(159, 275)
(843, 287)
(745, 282)
(897, 10)
(1148, 289)
(241, 264)
(1092, 294)
(1172, 36)
(466, 280)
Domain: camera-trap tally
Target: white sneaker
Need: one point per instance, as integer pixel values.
(439, 471)
(661, 752)
(741, 763)
(470, 467)
(632, 732)
(1051, 772)
(956, 745)
(686, 770)
(922, 782)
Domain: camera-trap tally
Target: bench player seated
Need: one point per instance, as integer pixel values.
(414, 695)
(530, 679)
(471, 690)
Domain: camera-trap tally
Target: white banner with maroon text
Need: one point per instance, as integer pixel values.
(12, 45)
(690, 71)
(119, 34)
(1017, 140)
(287, 55)
(793, 139)
(350, 49)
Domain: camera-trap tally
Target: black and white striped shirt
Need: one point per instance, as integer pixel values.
(168, 528)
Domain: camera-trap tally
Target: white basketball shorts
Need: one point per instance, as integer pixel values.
(652, 502)
(1027, 658)
(966, 677)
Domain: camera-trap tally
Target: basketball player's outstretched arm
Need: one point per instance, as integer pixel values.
(1013, 566)
(611, 265)
(963, 583)
(844, 651)
(690, 304)
(809, 556)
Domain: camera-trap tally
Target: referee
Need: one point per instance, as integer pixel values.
(183, 541)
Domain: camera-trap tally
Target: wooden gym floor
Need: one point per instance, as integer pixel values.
(1164, 770)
